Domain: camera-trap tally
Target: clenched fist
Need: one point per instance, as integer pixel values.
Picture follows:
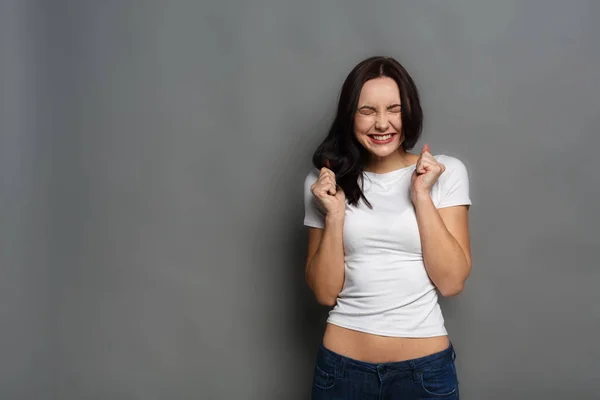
(328, 194)
(427, 172)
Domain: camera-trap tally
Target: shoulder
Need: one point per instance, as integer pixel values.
(311, 177)
(451, 163)
(456, 169)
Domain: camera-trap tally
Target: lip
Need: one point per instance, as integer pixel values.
(372, 139)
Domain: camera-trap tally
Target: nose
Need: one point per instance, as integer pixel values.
(381, 122)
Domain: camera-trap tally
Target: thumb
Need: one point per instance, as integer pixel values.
(327, 164)
(425, 148)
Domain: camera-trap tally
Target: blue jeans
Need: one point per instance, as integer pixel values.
(430, 377)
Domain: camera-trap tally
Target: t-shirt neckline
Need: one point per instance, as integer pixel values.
(390, 174)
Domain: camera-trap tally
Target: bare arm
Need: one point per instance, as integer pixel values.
(325, 261)
(445, 241)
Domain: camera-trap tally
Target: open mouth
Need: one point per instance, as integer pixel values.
(382, 139)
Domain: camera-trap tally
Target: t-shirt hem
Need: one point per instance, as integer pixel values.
(381, 332)
(458, 203)
(313, 224)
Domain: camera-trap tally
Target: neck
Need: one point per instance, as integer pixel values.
(396, 160)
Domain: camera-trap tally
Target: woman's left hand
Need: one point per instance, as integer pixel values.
(427, 172)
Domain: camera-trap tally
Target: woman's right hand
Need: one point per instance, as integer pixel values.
(329, 195)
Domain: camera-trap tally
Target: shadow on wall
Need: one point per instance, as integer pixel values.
(308, 317)
(279, 250)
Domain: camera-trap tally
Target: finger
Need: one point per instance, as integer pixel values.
(419, 167)
(329, 175)
(328, 187)
(428, 164)
(429, 157)
(418, 164)
(325, 186)
(420, 156)
(425, 165)
(331, 189)
(321, 191)
(325, 171)
(327, 180)
(327, 164)
(433, 166)
(318, 187)
(425, 148)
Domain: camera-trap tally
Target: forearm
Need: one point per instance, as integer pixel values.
(445, 260)
(325, 271)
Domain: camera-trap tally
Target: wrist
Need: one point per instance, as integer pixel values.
(421, 196)
(334, 218)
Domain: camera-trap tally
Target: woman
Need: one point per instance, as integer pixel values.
(388, 229)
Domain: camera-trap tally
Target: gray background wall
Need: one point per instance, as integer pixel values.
(152, 159)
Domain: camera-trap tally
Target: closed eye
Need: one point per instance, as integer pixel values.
(395, 108)
(366, 110)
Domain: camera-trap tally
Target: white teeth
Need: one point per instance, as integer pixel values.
(384, 137)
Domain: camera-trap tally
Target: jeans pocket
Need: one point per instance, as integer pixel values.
(440, 382)
(324, 375)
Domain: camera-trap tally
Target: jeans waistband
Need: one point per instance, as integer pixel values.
(432, 361)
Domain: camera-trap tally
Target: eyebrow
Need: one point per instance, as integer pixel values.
(373, 108)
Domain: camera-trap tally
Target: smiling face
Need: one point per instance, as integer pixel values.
(378, 119)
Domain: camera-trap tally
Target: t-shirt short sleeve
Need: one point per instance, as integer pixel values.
(454, 183)
(314, 215)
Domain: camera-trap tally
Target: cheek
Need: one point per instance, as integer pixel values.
(362, 126)
(396, 121)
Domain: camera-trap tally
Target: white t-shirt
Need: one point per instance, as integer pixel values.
(386, 288)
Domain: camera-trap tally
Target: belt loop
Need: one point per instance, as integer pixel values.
(416, 375)
(340, 370)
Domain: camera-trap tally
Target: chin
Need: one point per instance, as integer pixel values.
(380, 153)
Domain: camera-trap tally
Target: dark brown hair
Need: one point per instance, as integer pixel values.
(344, 154)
